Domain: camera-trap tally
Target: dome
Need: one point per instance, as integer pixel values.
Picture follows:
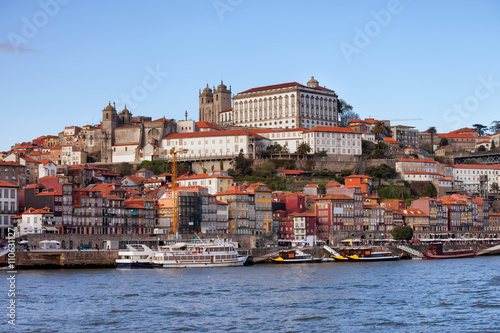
(109, 107)
(207, 90)
(312, 83)
(125, 110)
(221, 86)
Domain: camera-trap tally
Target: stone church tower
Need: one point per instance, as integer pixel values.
(109, 123)
(213, 102)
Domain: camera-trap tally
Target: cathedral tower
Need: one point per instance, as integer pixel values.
(212, 103)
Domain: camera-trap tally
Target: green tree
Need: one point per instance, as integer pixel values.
(268, 169)
(432, 130)
(443, 142)
(481, 129)
(346, 172)
(380, 128)
(303, 149)
(221, 165)
(493, 147)
(494, 188)
(495, 126)
(242, 165)
(402, 233)
(367, 147)
(124, 169)
(378, 153)
(345, 113)
(382, 171)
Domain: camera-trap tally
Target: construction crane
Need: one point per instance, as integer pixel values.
(406, 119)
(175, 204)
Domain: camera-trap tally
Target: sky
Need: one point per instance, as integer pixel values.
(416, 63)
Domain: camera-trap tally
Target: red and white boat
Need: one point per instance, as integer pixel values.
(436, 252)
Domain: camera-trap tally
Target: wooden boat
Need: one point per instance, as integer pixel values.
(365, 254)
(436, 252)
(376, 256)
(294, 256)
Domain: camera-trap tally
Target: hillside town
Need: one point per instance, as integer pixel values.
(282, 163)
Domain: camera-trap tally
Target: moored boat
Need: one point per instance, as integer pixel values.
(135, 256)
(294, 256)
(436, 251)
(366, 254)
(217, 253)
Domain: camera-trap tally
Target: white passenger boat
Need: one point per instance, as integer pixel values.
(216, 253)
(135, 256)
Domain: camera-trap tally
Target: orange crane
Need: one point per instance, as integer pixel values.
(175, 203)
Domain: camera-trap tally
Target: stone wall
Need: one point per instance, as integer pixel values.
(64, 259)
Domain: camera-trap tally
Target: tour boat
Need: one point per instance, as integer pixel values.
(375, 256)
(216, 253)
(436, 252)
(135, 256)
(294, 256)
(365, 254)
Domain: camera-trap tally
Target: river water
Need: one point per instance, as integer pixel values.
(461, 295)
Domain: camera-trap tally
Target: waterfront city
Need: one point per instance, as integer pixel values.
(276, 167)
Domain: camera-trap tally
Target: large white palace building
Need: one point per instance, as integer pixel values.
(284, 106)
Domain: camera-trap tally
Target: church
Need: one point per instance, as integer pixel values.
(285, 106)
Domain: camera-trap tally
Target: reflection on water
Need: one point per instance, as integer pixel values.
(406, 296)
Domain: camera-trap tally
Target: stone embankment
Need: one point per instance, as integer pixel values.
(63, 259)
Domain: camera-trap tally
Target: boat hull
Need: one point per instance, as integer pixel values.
(388, 258)
(134, 265)
(449, 256)
(296, 261)
(241, 261)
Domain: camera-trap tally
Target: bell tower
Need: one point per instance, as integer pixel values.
(213, 102)
(205, 101)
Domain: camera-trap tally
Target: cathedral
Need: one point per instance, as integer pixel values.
(214, 102)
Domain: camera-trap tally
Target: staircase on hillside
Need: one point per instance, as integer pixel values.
(412, 252)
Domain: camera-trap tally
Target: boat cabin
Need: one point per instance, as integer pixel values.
(287, 254)
(359, 251)
(436, 248)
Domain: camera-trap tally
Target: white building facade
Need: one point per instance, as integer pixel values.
(288, 105)
(473, 175)
(214, 144)
(334, 140)
(8, 206)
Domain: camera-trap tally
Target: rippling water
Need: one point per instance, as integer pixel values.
(406, 296)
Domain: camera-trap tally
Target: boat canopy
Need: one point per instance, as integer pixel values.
(179, 246)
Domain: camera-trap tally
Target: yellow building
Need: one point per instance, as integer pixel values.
(263, 206)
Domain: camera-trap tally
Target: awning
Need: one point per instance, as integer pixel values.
(50, 228)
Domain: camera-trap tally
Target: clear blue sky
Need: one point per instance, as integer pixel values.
(61, 65)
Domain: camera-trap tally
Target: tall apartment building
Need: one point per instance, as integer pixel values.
(8, 206)
(406, 135)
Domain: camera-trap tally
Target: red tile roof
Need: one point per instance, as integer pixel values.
(416, 160)
(477, 166)
(205, 124)
(332, 129)
(9, 163)
(7, 184)
(274, 86)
